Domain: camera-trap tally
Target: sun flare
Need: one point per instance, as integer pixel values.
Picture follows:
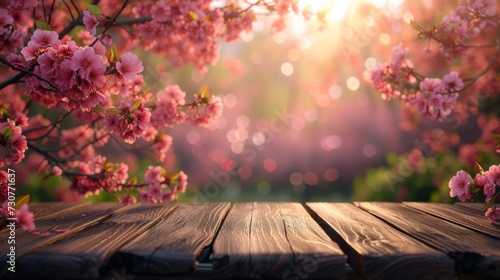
(339, 9)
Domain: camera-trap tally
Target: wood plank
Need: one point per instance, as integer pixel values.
(375, 249)
(473, 252)
(275, 240)
(270, 251)
(43, 209)
(69, 221)
(80, 256)
(316, 256)
(476, 206)
(459, 215)
(232, 245)
(174, 244)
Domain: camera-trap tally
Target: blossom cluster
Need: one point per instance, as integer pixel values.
(463, 186)
(467, 22)
(91, 76)
(434, 98)
(187, 31)
(468, 27)
(12, 142)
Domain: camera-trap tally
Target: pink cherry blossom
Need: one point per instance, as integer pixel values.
(90, 22)
(204, 113)
(160, 11)
(452, 82)
(168, 108)
(127, 199)
(494, 174)
(5, 19)
(493, 215)
(398, 56)
(89, 65)
(459, 185)
(44, 39)
(181, 187)
(153, 175)
(13, 143)
(431, 85)
(128, 123)
(25, 218)
(129, 66)
(162, 144)
(155, 191)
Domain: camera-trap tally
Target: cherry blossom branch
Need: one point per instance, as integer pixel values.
(26, 72)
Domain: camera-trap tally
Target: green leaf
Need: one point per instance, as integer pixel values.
(204, 92)
(453, 25)
(94, 9)
(416, 26)
(136, 105)
(7, 131)
(164, 172)
(42, 25)
(25, 199)
(193, 15)
(496, 136)
(114, 111)
(489, 203)
(478, 169)
(438, 19)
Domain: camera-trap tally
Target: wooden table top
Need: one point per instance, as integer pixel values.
(266, 240)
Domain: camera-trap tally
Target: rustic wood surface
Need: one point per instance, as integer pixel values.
(57, 227)
(375, 249)
(472, 252)
(80, 256)
(275, 240)
(174, 244)
(45, 209)
(259, 240)
(462, 216)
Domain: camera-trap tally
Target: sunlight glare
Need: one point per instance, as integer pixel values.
(338, 9)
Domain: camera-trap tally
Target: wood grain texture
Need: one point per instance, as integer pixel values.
(81, 256)
(275, 240)
(45, 209)
(462, 216)
(73, 220)
(232, 243)
(316, 256)
(476, 206)
(173, 245)
(473, 252)
(375, 249)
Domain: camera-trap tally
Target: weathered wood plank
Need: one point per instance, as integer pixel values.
(57, 226)
(173, 245)
(44, 209)
(232, 244)
(316, 256)
(275, 240)
(270, 251)
(459, 215)
(473, 252)
(80, 256)
(375, 249)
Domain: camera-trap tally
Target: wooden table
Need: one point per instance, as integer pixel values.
(361, 240)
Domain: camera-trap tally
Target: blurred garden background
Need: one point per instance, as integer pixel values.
(300, 120)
